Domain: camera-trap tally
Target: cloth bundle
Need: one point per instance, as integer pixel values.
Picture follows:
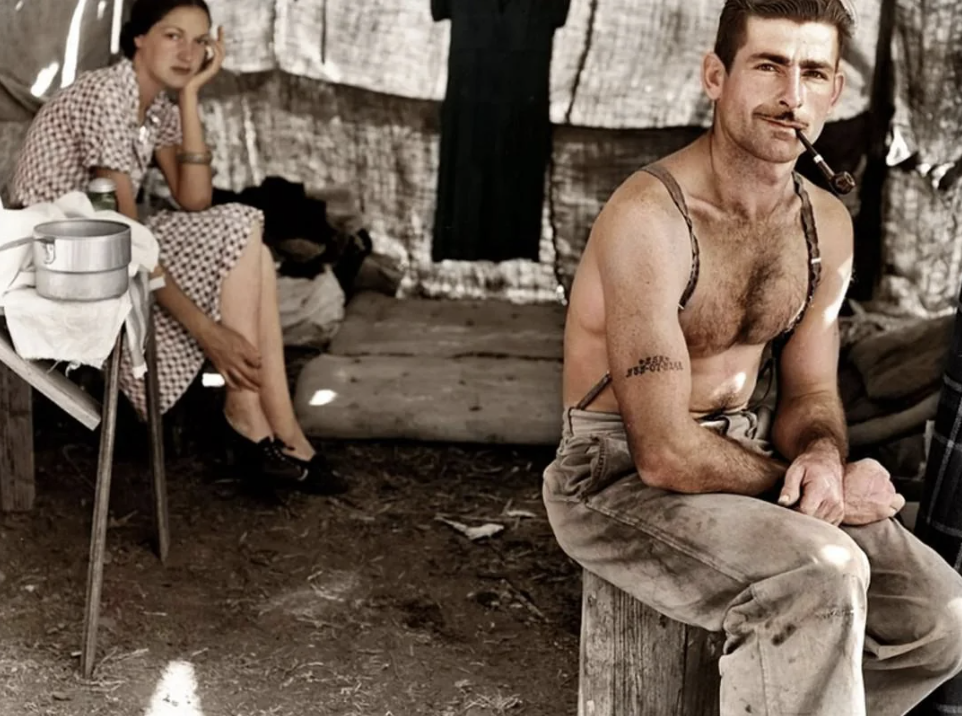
(67, 331)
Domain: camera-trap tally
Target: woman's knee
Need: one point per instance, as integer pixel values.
(257, 232)
(267, 259)
(255, 246)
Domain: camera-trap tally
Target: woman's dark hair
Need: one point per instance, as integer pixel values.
(144, 14)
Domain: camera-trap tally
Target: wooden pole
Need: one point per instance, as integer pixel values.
(98, 531)
(156, 428)
(16, 443)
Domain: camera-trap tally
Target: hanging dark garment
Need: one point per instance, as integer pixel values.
(495, 128)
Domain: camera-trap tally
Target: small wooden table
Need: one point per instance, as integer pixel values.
(17, 490)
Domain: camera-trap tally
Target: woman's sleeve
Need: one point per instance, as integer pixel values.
(441, 9)
(106, 130)
(170, 134)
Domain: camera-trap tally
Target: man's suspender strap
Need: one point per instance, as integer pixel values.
(678, 197)
(811, 239)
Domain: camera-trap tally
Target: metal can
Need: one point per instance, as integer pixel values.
(102, 193)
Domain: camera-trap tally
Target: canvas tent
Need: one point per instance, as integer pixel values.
(346, 92)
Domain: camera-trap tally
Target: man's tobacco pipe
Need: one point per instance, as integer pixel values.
(841, 182)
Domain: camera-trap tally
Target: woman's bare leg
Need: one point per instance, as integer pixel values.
(240, 306)
(275, 395)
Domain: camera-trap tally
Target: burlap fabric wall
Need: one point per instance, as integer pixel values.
(35, 54)
(347, 91)
(363, 111)
(617, 63)
(922, 243)
(36, 44)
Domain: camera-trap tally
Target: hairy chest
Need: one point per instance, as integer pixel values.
(751, 288)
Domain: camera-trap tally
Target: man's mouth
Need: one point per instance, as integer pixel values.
(786, 123)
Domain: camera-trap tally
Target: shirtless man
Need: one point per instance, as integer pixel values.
(667, 483)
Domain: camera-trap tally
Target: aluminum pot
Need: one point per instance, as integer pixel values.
(93, 286)
(81, 245)
(81, 259)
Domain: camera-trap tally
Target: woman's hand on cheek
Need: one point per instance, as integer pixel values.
(210, 68)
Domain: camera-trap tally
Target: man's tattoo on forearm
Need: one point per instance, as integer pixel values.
(654, 364)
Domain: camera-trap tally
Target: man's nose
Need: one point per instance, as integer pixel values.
(793, 91)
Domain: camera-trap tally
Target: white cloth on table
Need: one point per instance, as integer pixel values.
(71, 331)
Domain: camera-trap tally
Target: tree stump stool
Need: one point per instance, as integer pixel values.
(637, 662)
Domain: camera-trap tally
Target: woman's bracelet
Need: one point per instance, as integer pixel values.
(195, 157)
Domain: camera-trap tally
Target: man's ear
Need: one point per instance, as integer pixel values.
(713, 74)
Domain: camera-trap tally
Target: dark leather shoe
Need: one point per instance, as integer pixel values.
(241, 453)
(276, 466)
(258, 464)
(314, 476)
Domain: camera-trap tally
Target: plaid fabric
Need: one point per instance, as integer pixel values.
(939, 522)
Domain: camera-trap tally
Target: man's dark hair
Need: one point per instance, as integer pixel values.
(145, 14)
(733, 23)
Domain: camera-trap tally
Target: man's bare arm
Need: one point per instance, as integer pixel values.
(809, 424)
(811, 421)
(643, 260)
(810, 414)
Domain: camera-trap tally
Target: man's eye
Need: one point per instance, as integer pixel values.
(766, 67)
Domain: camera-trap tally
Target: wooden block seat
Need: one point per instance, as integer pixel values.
(637, 662)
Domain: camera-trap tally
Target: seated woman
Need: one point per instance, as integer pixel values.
(219, 297)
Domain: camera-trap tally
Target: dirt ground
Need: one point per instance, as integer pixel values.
(366, 604)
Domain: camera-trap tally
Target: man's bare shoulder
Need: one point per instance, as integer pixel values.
(639, 242)
(641, 214)
(833, 223)
(831, 215)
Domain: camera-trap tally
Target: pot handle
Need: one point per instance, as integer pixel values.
(49, 249)
(18, 242)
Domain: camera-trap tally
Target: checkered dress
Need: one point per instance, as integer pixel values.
(93, 123)
(939, 522)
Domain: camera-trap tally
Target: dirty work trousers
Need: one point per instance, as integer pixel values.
(819, 620)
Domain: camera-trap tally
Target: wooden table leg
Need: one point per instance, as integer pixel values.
(98, 531)
(156, 427)
(16, 443)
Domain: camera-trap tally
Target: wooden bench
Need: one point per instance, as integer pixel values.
(637, 662)
(17, 490)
